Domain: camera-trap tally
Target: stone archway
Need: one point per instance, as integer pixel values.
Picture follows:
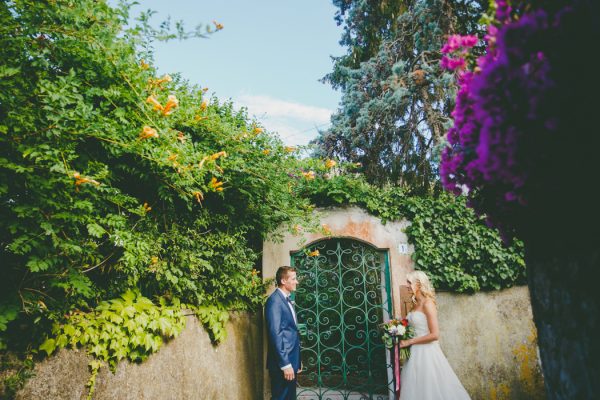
(352, 224)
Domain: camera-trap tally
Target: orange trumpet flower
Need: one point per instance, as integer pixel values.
(152, 100)
(199, 196)
(148, 132)
(172, 102)
(80, 180)
(216, 185)
(330, 164)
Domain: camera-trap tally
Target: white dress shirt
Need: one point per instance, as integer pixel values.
(289, 305)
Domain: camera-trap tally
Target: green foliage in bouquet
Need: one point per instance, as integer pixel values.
(454, 246)
(394, 331)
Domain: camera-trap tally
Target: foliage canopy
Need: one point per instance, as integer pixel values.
(112, 178)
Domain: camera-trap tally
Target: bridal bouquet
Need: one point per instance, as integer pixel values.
(395, 330)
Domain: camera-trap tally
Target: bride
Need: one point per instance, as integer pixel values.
(427, 374)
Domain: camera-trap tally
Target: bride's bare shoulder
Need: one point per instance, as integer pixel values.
(429, 305)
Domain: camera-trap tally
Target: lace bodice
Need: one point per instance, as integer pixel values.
(418, 320)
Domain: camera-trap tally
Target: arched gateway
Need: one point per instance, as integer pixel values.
(343, 298)
(347, 289)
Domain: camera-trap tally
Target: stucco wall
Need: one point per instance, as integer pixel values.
(489, 338)
(490, 341)
(188, 367)
(354, 223)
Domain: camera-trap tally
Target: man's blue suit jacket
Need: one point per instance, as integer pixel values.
(283, 334)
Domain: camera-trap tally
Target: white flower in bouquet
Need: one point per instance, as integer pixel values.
(401, 330)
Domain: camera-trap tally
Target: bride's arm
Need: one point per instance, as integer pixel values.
(432, 321)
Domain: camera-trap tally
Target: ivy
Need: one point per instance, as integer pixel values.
(214, 319)
(8, 313)
(453, 245)
(129, 327)
(15, 372)
(458, 250)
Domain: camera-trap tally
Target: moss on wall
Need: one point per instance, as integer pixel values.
(490, 340)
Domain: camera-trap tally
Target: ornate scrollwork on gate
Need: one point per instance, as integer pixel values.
(342, 299)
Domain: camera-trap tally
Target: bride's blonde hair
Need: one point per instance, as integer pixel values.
(421, 279)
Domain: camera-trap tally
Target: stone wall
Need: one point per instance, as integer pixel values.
(188, 367)
(489, 338)
(490, 341)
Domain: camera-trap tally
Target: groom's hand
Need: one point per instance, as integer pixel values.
(288, 374)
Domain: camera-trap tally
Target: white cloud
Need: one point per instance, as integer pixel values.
(295, 123)
(291, 134)
(283, 109)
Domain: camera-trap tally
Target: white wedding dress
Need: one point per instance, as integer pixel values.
(427, 374)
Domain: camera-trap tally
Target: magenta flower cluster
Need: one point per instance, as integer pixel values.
(508, 107)
(458, 46)
(503, 11)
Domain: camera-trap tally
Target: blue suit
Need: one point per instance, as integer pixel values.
(284, 345)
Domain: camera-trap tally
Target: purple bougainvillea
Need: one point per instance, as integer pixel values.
(508, 116)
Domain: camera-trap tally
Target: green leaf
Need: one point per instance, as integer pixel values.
(96, 230)
(48, 346)
(129, 296)
(37, 265)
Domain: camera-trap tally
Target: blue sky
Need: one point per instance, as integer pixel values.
(268, 58)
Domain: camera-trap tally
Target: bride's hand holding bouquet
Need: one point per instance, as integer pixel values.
(397, 330)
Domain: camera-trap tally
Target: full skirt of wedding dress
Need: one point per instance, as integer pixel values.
(427, 375)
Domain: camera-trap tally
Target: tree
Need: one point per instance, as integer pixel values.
(396, 99)
(524, 144)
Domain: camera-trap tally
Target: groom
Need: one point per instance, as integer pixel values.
(283, 354)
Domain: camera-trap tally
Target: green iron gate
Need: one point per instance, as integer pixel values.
(342, 298)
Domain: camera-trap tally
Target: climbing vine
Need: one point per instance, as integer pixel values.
(129, 327)
(451, 243)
